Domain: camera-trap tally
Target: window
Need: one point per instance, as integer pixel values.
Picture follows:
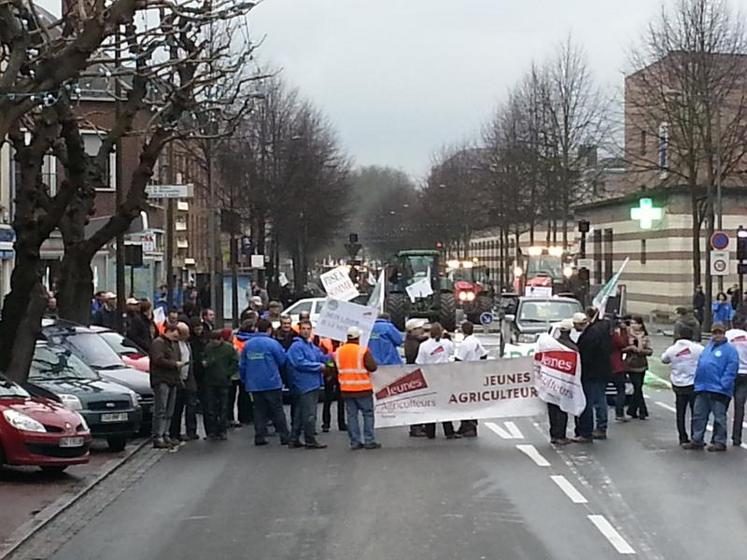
(643, 142)
(92, 143)
(49, 173)
(608, 256)
(597, 256)
(643, 251)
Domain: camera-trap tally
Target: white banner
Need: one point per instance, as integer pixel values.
(420, 394)
(557, 372)
(338, 285)
(337, 316)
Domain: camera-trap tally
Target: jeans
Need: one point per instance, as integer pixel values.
(244, 404)
(637, 402)
(684, 398)
(596, 401)
(364, 405)
(268, 405)
(164, 399)
(619, 381)
(740, 397)
(332, 392)
(304, 417)
(558, 421)
(186, 404)
(705, 404)
(217, 404)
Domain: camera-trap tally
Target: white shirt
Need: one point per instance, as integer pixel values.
(683, 355)
(434, 351)
(738, 338)
(470, 350)
(185, 352)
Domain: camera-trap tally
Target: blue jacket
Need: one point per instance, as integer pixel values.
(384, 341)
(305, 361)
(717, 369)
(262, 360)
(722, 312)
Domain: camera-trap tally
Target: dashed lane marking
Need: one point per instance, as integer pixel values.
(575, 496)
(514, 430)
(611, 534)
(669, 407)
(500, 432)
(531, 452)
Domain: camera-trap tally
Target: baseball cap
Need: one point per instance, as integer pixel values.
(414, 323)
(579, 317)
(109, 295)
(256, 300)
(132, 301)
(354, 332)
(566, 325)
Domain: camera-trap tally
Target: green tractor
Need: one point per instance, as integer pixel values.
(420, 268)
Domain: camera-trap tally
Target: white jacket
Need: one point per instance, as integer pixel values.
(434, 351)
(683, 356)
(738, 339)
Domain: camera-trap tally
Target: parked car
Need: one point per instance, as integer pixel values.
(111, 411)
(35, 431)
(312, 305)
(130, 353)
(95, 352)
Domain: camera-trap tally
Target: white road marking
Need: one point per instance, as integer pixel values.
(669, 407)
(531, 452)
(514, 430)
(569, 490)
(611, 534)
(500, 432)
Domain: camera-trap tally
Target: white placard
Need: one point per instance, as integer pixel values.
(557, 371)
(338, 316)
(420, 289)
(538, 291)
(283, 280)
(338, 285)
(257, 261)
(419, 394)
(720, 263)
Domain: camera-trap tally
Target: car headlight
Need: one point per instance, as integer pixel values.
(22, 422)
(462, 296)
(135, 399)
(568, 271)
(71, 402)
(527, 338)
(470, 296)
(84, 423)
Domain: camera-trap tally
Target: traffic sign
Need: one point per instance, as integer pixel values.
(719, 263)
(486, 319)
(719, 240)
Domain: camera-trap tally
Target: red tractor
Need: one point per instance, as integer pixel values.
(544, 267)
(472, 287)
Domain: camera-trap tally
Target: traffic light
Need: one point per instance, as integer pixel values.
(741, 244)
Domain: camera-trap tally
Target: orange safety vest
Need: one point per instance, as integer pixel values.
(238, 344)
(351, 373)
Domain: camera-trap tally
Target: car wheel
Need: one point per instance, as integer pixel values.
(54, 468)
(116, 443)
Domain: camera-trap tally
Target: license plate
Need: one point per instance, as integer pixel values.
(72, 442)
(114, 417)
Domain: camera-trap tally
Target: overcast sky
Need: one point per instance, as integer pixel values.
(401, 78)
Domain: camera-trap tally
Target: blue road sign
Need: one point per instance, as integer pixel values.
(719, 240)
(486, 319)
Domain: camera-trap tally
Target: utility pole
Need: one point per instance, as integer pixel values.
(119, 194)
(212, 244)
(719, 201)
(170, 232)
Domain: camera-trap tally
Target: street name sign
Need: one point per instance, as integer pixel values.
(170, 191)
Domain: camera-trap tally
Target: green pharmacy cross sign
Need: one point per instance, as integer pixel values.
(646, 213)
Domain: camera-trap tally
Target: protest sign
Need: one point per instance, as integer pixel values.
(557, 373)
(338, 316)
(338, 285)
(420, 394)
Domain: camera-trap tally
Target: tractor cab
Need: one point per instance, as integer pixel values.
(543, 267)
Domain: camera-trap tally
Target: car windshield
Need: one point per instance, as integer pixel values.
(90, 347)
(418, 266)
(120, 344)
(545, 264)
(547, 311)
(58, 362)
(10, 390)
(300, 308)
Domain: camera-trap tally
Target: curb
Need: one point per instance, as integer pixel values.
(53, 510)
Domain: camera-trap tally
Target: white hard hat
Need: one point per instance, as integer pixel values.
(354, 332)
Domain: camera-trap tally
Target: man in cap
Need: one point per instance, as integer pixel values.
(106, 316)
(558, 418)
(354, 368)
(385, 341)
(714, 386)
(470, 350)
(580, 322)
(415, 335)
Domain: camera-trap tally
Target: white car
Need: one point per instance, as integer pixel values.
(312, 305)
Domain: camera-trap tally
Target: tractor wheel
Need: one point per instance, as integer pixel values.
(396, 305)
(447, 311)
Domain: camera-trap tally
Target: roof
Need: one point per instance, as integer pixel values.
(418, 253)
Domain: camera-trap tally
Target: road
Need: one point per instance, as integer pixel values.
(508, 494)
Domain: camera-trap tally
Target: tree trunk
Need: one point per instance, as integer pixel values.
(75, 287)
(26, 334)
(695, 238)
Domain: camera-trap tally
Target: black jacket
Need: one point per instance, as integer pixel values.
(105, 318)
(595, 347)
(138, 331)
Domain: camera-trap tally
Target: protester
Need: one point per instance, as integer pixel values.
(699, 305)
(331, 389)
(620, 341)
(239, 409)
(252, 312)
(51, 312)
(558, 418)
(261, 363)
(636, 364)
(273, 313)
(197, 342)
(138, 325)
(256, 291)
(580, 321)
(306, 365)
(208, 319)
(97, 302)
(186, 394)
(414, 337)
(162, 298)
(437, 350)
(354, 367)
(470, 350)
(735, 296)
(165, 365)
(221, 365)
(683, 356)
(303, 316)
(385, 341)
(595, 348)
(285, 333)
(722, 310)
(737, 337)
(106, 316)
(714, 386)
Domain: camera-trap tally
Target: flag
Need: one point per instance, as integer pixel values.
(377, 296)
(600, 300)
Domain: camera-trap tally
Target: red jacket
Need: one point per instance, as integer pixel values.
(619, 341)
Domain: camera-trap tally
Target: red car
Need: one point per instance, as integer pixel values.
(130, 353)
(39, 432)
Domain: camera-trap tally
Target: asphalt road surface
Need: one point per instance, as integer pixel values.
(508, 495)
